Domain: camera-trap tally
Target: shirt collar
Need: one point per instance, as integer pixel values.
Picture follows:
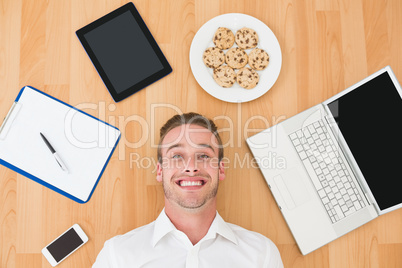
(219, 226)
(163, 226)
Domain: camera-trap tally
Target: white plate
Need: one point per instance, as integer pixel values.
(267, 41)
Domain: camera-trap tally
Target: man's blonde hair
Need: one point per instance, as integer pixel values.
(192, 119)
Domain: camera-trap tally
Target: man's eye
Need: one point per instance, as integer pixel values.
(204, 156)
(176, 156)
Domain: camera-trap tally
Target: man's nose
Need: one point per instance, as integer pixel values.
(191, 165)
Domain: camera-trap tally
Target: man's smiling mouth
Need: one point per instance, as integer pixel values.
(191, 183)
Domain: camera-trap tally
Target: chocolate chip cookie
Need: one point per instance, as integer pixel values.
(225, 76)
(258, 59)
(246, 38)
(213, 57)
(236, 58)
(223, 38)
(247, 78)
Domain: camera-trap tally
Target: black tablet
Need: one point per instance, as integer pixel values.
(123, 52)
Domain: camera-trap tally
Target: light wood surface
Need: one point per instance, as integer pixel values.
(326, 47)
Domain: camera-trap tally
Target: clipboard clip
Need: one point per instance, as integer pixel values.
(9, 119)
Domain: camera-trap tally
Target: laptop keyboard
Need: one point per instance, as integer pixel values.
(333, 182)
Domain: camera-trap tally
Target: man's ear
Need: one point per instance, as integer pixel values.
(221, 171)
(159, 172)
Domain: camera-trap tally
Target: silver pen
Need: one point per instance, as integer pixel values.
(53, 151)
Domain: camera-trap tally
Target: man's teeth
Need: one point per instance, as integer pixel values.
(190, 183)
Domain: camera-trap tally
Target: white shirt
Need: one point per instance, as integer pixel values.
(160, 244)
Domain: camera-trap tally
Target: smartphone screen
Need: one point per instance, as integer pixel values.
(64, 245)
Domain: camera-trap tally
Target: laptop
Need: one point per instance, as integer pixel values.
(337, 165)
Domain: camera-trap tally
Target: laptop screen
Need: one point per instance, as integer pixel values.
(369, 118)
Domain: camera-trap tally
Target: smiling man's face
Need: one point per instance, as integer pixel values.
(190, 170)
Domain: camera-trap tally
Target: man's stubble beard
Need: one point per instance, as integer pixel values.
(190, 204)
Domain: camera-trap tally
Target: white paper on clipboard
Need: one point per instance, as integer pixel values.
(85, 144)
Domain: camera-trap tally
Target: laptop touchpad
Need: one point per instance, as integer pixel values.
(292, 188)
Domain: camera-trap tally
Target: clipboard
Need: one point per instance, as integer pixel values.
(85, 143)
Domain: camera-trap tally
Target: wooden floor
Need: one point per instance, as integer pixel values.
(326, 47)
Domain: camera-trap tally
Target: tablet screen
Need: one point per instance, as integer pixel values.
(124, 52)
